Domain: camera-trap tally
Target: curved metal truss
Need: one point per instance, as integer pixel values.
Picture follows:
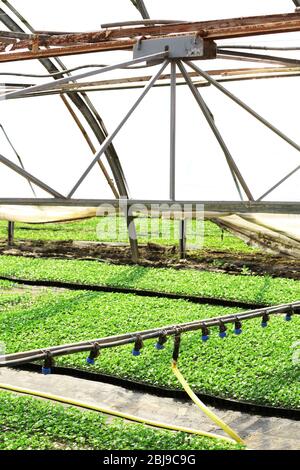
(24, 43)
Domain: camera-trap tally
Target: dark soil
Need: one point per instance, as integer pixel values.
(159, 256)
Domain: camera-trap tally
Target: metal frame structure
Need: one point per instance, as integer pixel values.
(23, 43)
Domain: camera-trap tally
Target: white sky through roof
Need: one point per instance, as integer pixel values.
(53, 149)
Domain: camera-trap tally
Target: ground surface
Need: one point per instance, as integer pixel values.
(94, 240)
(257, 366)
(34, 424)
(262, 433)
(158, 256)
(111, 230)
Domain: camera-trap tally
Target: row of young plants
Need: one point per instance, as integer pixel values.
(31, 424)
(256, 366)
(156, 231)
(259, 289)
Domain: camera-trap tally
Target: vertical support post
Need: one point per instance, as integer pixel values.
(182, 238)
(11, 233)
(173, 133)
(132, 234)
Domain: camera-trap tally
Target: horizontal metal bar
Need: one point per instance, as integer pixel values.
(229, 207)
(145, 22)
(259, 57)
(138, 82)
(19, 35)
(259, 48)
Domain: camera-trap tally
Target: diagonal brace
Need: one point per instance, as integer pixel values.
(283, 180)
(61, 81)
(110, 138)
(243, 105)
(140, 5)
(211, 122)
(29, 177)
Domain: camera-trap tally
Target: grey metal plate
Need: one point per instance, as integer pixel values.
(191, 47)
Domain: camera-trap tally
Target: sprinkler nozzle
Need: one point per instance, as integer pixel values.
(205, 333)
(222, 330)
(94, 354)
(160, 345)
(238, 327)
(265, 319)
(138, 345)
(48, 364)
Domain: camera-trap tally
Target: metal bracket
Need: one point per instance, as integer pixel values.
(182, 47)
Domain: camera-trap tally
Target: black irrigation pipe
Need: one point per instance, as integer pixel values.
(139, 292)
(23, 360)
(165, 392)
(161, 333)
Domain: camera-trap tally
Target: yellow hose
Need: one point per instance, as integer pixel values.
(107, 411)
(203, 407)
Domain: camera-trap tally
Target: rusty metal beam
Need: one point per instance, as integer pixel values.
(109, 39)
(213, 29)
(69, 50)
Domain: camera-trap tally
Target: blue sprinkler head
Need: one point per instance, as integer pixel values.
(90, 361)
(223, 329)
(135, 352)
(94, 354)
(289, 314)
(265, 320)
(160, 345)
(238, 327)
(48, 364)
(138, 346)
(205, 333)
(238, 331)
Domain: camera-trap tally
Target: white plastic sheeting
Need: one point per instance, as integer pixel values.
(45, 214)
(279, 234)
